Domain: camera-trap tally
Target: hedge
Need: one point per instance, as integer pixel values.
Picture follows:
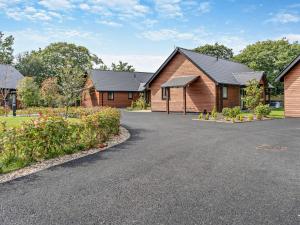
(51, 136)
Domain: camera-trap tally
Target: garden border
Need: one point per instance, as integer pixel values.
(123, 136)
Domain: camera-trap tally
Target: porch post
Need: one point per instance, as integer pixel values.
(168, 100)
(184, 100)
(102, 98)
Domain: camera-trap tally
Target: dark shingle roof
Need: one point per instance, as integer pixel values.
(119, 81)
(9, 77)
(180, 81)
(244, 77)
(219, 70)
(288, 68)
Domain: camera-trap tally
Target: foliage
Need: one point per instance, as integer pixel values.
(226, 112)
(122, 66)
(6, 50)
(4, 111)
(241, 118)
(253, 94)
(200, 117)
(32, 64)
(250, 117)
(269, 56)
(28, 92)
(48, 137)
(263, 110)
(49, 92)
(139, 104)
(206, 116)
(216, 50)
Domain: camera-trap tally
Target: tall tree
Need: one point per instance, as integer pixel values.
(216, 50)
(28, 92)
(269, 56)
(122, 66)
(31, 64)
(6, 49)
(50, 92)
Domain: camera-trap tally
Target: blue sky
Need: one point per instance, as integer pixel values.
(144, 32)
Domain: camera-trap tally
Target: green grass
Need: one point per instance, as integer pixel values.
(18, 120)
(275, 113)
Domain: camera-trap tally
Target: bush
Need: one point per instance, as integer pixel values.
(47, 137)
(250, 117)
(4, 111)
(139, 104)
(207, 116)
(226, 112)
(200, 117)
(262, 110)
(231, 112)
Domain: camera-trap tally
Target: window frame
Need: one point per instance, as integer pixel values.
(225, 88)
(130, 93)
(165, 93)
(108, 96)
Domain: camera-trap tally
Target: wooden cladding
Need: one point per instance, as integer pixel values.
(292, 92)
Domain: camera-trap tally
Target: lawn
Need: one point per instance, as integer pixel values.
(18, 120)
(275, 113)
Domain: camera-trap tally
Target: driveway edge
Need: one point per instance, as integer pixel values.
(123, 136)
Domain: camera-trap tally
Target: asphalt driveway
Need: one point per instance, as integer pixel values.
(173, 170)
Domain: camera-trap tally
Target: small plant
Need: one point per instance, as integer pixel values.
(241, 118)
(207, 116)
(233, 120)
(250, 117)
(235, 112)
(262, 110)
(237, 118)
(226, 112)
(200, 117)
(227, 118)
(215, 115)
(259, 116)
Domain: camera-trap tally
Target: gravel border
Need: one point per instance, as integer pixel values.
(118, 139)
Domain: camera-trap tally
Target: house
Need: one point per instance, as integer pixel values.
(114, 89)
(9, 78)
(291, 78)
(192, 82)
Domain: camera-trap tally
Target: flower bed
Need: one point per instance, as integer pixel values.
(51, 136)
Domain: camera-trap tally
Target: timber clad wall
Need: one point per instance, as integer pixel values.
(233, 97)
(91, 97)
(292, 92)
(200, 95)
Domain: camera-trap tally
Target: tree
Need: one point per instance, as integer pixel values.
(31, 64)
(5, 79)
(6, 49)
(28, 92)
(122, 66)
(216, 50)
(269, 56)
(71, 82)
(253, 94)
(50, 92)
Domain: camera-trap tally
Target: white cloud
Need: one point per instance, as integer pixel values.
(168, 34)
(204, 7)
(142, 63)
(284, 17)
(56, 4)
(168, 8)
(291, 37)
(84, 6)
(110, 23)
(30, 13)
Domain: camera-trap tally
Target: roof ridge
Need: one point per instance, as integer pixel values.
(212, 56)
(120, 71)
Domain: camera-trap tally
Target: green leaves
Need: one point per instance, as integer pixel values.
(216, 50)
(253, 94)
(6, 50)
(28, 92)
(122, 66)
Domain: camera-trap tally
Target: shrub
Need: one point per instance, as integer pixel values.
(226, 112)
(139, 104)
(241, 118)
(4, 111)
(262, 110)
(214, 115)
(250, 117)
(259, 117)
(47, 137)
(207, 116)
(200, 117)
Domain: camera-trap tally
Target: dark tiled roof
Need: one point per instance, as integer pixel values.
(9, 77)
(219, 70)
(288, 68)
(119, 81)
(180, 81)
(244, 77)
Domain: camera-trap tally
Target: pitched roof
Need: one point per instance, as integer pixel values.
(119, 81)
(180, 81)
(219, 70)
(9, 76)
(288, 68)
(244, 77)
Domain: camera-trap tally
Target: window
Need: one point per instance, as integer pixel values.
(225, 92)
(130, 95)
(164, 93)
(110, 95)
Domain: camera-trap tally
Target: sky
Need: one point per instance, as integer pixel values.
(145, 32)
